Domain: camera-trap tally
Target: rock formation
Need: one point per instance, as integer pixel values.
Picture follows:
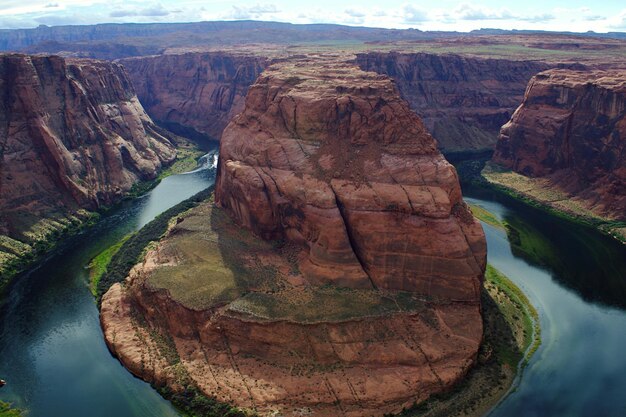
(570, 132)
(197, 93)
(463, 101)
(340, 163)
(72, 135)
(338, 271)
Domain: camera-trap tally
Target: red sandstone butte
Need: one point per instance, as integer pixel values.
(331, 157)
(378, 306)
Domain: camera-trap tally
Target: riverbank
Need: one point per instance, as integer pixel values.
(537, 193)
(17, 256)
(511, 336)
(114, 263)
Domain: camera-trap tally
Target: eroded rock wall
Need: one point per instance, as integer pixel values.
(571, 130)
(329, 156)
(72, 135)
(195, 92)
(463, 101)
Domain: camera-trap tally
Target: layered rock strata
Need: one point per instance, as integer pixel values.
(463, 101)
(338, 270)
(73, 136)
(569, 137)
(194, 92)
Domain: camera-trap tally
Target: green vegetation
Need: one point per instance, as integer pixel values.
(98, 265)
(303, 305)
(187, 397)
(508, 343)
(218, 262)
(193, 403)
(516, 302)
(7, 411)
(131, 250)
(486, 216)
(43, 236)
(533, 192)
(187, 155)
(186, 160)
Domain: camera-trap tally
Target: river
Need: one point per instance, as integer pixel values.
(576, 278)
(53, 356)
(52, 352)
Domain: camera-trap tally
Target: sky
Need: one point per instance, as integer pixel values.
(457, 15)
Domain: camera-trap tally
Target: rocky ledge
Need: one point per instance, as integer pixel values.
(337, 272)
(568, 142)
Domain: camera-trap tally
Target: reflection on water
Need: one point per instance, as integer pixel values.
(572, 275)
(52, 353)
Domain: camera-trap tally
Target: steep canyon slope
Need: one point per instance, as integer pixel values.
(462, 100)
(337, 272)
(568, 142)
(194, 93)
(73, 136)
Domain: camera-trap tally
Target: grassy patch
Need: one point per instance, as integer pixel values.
(209, 261)
(539, 193)
(186, 160)
(516, 309)
(486, 216)
(19, 253)
(303, 304)
(98, 265)
(131, 250)
(7, 411)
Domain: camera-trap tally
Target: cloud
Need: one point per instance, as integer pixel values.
(470, 12)
(355, 13)
(251, 12)
(594, 18)
(545, 17)
(51, 5)
(619, 21)
(414, 15)
(152, 11)
(61, 20)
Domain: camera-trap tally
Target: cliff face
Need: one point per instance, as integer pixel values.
(72, 135)
(337, 161)
(338, 270)
(571, 131)
(463, 101)
(197, 91)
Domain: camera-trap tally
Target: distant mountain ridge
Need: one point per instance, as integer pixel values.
(231, 32)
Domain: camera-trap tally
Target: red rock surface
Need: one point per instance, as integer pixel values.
(198, 91)
(329, 160)
(331, 157)
(462, 100)
(571, 130)
(73, 135)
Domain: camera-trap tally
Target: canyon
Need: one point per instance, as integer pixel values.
(73, 138)
(196, 94)
(566, 143)
(337, 269)
(319, 180)
(462, 100)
